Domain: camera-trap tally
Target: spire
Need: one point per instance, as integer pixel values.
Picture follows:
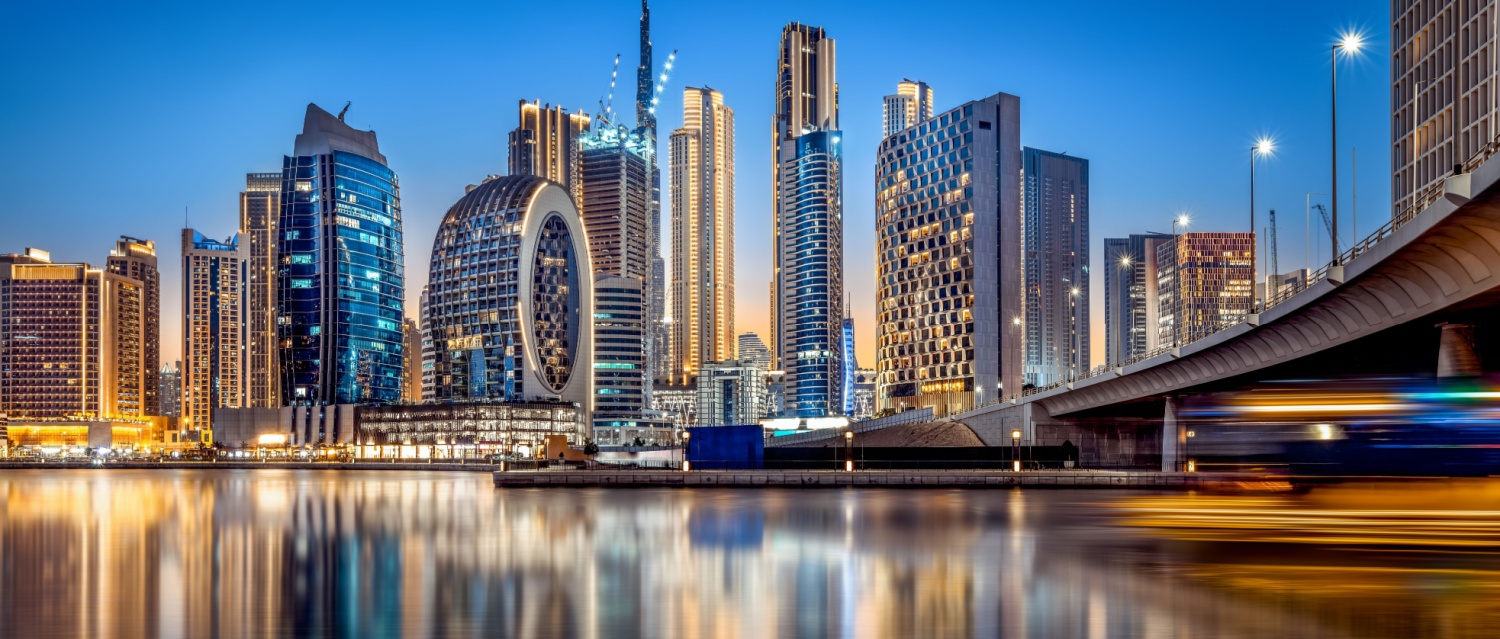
(644, 77)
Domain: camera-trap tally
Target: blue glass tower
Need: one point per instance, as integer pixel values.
(812, 274)
(340, 272)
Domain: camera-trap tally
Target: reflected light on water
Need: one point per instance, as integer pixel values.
(275, 553)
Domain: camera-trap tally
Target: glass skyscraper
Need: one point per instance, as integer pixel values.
(340, 274)
(1056, 232)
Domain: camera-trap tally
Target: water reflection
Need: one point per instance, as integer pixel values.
(287, 553)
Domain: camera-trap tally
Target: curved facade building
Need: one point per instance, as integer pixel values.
(510, 296)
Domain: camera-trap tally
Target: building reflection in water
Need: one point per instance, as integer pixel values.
(279, 553)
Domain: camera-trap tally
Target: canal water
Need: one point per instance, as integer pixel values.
(284, 553)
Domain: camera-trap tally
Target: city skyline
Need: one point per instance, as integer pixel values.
(436, 152)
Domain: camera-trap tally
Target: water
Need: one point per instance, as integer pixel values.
(278, 553)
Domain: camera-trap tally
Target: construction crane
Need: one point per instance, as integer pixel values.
(606, 114)
(1271, 236)
(345, 110)
(1328, 224)
(662, 80)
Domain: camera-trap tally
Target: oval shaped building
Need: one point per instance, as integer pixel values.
(510, 289)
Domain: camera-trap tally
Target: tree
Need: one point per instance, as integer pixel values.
(590, 448)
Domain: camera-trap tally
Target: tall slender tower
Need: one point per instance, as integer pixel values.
(136, 258)
(340, 281)
(702, 191)
(808, 234)
(659, 349)
(260, 205)
(213, 326)
(545, 143)
(1056, 230)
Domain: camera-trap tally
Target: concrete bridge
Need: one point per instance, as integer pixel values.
(1409, 297)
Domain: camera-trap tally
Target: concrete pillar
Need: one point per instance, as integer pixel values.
(1457, 356)
(1173, 437)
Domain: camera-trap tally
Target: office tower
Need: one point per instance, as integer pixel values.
(170, 389)
(213, 326)
(260, 206)
(340, 281)
(808, 232)
(752, 351)
(619, 354)
(910, 106)
(136, 259)
(948, 254)
(411, 335)
(702, 188)
(1215, 288)
(72, 339)
(1130, 296)
(864, 393)
(1442, 95)
(731, 393)
(616, 203)
(545, 144)
(429, 353)
(846, 346)
(510, 296)
(1056, 232)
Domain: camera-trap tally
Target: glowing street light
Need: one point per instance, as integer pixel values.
(1349, 44)
(1263, 147)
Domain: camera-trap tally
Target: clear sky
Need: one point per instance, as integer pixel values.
(117, 118)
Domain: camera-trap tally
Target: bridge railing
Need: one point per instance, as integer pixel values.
(1399, 218)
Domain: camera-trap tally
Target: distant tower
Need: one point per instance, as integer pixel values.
(260, 206)
(545, 144)
(1056, 267)
(702, 161)
(137, 259)
(910, 106)
(213, 326)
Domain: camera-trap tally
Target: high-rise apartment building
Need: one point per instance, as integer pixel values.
(1056, 231)
(908, 107)
(340, 283)
(702, 188)
(616, 202)
(1207, 279)
(169, 389)
(510, 297)
(730, 393)
(429, 352)
(72, 340)
(948, 259)
(136, 259)
(545, 144)
(807, 288)
(752, 351)
(1443, 90)
(411, 334)
(1130, 296)
(260, 206)
(213, 326)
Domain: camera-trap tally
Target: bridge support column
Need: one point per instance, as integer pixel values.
(1173, 438)
(1457, 356)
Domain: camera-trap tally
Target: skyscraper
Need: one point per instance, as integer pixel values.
(808, 232)
(659, 348)
(260, 206)
(71, 339)
(411, 391)
(908, 107)
(753, 352)
(1442, 92)
(1130, 296)
(619, 355)
(510, 297)
(846, 344)
(170, 389)
(545, 144)
(340, 280)
(1056, 231)
(429, 352)
(136, 259)
(702, 161)
(213, 326)
(1212, 287)
(948, 255)
(616, 202)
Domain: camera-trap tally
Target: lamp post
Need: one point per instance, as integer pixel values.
(686, 440)
(1262, 147)
(1349, 44)
(1186, 450)
(1177, 277)
(848, 451)
(1015, 455)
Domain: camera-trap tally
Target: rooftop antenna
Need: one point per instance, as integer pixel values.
(606, 114)
(345, 110)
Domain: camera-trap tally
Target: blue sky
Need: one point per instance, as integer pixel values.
(117, 118)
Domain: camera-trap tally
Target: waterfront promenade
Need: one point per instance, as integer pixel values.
(883, 478)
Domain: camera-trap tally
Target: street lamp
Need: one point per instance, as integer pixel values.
(848, 451)
(1180, 220)
(1015, 455)
(1262, 148)
(1349, 44)
(1191, 465)
(686, 439)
